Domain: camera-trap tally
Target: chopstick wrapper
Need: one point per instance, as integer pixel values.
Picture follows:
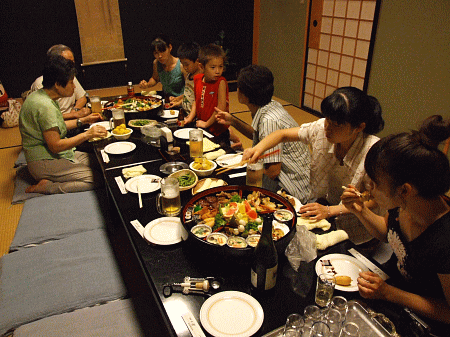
(105, 156)
(240, 174)
(326, 240)
(137, 225)
(121, 184)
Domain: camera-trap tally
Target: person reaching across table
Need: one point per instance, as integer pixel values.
(339, 144)
(289, 168)
(50, 156)
(72, 107)
(211, 91)
(167, 69)
(410, 176)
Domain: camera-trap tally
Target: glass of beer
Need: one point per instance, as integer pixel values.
(324, 289)
(168, 202)
(196, 143)
(96, 105)
(118, 118)
(255, 174)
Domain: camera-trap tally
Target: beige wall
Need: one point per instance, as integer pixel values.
(411, 61)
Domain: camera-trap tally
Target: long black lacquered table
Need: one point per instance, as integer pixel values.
(169, 264)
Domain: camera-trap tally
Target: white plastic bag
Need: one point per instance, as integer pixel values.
(11, 116)
(301, 248)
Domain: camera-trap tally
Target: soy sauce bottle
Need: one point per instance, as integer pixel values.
(181, 116)
(130, 89)
(265, 260)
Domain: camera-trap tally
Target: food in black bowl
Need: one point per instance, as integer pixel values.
(237, 212)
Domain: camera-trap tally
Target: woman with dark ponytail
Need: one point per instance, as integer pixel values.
(409, 177)
(339, 144)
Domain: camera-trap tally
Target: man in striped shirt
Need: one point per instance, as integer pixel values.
(289, 168)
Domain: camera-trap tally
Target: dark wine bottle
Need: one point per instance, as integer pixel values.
(181, 116)
(265, 259)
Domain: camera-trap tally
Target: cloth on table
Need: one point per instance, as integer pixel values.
(311, 224)
(324, 241)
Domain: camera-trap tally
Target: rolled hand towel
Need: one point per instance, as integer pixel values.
(311, 224)
(326, 240)
(215, 154)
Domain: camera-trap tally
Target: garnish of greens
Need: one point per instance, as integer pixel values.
(140, 122)
(186, 180)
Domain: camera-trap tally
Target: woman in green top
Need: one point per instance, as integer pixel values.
(50, 156)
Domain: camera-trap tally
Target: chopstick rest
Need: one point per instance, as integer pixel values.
(137, 225)
(121, 184)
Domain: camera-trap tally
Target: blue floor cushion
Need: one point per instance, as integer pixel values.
(57, 216)
(57, 277)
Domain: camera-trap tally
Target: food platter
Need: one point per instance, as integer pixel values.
(231, 313)
(341, 265)
(137, 107)
(140, 123)
(190, 218)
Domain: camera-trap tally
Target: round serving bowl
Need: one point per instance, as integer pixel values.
(173, 166)
(181, 173)
(232, 254)
(204, 173)
(122, 136)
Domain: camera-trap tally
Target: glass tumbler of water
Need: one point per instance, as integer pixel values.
(324, 289)
(340, 303)
(294, 326)
(350, 330)
(320, 329)
(254, 174)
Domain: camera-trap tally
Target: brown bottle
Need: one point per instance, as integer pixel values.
(181, 116)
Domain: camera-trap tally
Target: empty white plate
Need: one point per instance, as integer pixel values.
(120, 147)
(147, 183)
(165, 231)
(231, 313)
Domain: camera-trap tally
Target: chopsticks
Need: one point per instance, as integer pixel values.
(242, 162)
(139, 194)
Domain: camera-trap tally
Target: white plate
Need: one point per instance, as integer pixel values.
(184, 133)
(105, 124)
(146, 184)
(297, 205)
(167, 114)
(230, 159)
(165, 231)
(120, 147)
(231, 314)
(343, 265)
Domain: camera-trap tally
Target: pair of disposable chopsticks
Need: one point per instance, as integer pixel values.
(139, 194)
(242, 162)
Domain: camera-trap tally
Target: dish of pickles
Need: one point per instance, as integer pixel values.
(232, 216)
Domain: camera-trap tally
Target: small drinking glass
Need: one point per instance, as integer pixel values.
(340, 303)
(333, 319)
(294, 326)
(196, 143)
(254, 174)
(311, 315)
(320, 329)
(350, 330)
(324, 289)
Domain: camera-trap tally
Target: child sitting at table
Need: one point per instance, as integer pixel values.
(409, 177)
(167, 69)
(211, 91)
(188, 55)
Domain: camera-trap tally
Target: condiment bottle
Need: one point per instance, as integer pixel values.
(130, 89)
(181, 116)
(265, 260)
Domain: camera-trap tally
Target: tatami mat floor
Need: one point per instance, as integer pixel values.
(10, 146)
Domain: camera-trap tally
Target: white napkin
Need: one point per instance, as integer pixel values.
(326, 240)
(215, 154)
(133, 171)
(311, 224)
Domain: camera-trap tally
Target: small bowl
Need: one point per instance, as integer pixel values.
(204, 173)
(252, 240)
(283, 215)
(122, 136)
(182, 173)
(217, 238)
(237, 242)
(173, 166)
(201, 231)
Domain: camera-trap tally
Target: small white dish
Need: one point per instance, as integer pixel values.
(147, 183)
(184, 133)
(165, 231)
(231, 313)
(169, 113)
(120, 147)
(230, 159)
(105, 124)
(343, 265)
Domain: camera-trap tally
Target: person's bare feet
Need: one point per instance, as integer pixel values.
(38, 188)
